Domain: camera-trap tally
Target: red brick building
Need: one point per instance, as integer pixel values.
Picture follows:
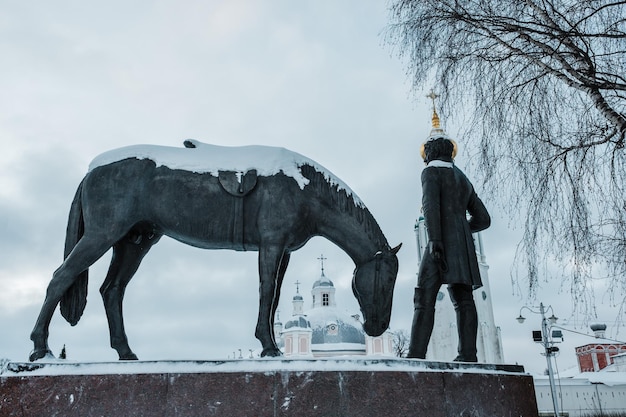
(598, 355)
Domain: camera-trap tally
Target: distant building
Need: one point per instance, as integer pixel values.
(294, 338)
(325, 330)
(585, 394)
(600, 386)
(596, 356)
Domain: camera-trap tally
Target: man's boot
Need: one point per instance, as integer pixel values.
(466, 321)
(423, 321)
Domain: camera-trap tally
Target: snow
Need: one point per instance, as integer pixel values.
(584, 378)
(211, 159)
(266, 365)
(606, 378)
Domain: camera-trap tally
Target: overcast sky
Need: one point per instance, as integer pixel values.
(78, 79)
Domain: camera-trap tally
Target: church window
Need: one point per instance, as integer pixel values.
(325, 299)
(378, 346)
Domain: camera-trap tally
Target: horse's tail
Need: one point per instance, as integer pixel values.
(75, 298)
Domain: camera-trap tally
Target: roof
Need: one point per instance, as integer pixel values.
(323, 281)
(607, 376)
(331, 326)
(297, 322)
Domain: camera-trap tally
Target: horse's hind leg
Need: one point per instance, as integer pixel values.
(127, 255)
(85, 253)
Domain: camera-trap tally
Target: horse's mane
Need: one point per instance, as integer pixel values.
(345, 201)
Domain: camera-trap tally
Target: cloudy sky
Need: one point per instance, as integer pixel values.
(316, 77)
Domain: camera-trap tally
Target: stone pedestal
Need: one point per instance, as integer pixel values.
(356, 387)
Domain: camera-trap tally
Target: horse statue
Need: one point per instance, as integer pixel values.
(259, 198)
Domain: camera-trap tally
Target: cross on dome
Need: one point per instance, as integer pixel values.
(437, 131)
(435, 119)
(432, 95)
(322, 259)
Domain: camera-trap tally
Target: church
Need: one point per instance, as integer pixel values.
(325, 330)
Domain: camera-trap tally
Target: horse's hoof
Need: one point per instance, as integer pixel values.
(129, 357)
(40, 354)
(273, 352)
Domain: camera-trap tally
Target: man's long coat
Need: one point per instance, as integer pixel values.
(447, 198)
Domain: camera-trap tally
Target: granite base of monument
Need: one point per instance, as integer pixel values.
(275, 387)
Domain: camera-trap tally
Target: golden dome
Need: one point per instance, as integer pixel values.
(437, 131)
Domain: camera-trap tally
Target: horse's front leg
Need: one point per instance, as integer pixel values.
(58, 285)
(270, 259)
(282, 268)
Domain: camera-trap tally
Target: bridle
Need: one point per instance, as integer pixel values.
(376, 294)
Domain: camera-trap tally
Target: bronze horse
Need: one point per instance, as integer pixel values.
(133, 196)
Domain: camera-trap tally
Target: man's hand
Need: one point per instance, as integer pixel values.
(436, 249)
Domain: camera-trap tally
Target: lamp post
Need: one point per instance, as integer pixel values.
(548, 345)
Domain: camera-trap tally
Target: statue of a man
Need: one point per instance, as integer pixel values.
(450, 257)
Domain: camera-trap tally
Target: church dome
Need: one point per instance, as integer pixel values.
(323, 281)
(335, 329)
(598, 326)
(299, 322)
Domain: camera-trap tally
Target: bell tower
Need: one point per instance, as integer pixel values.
(323, 291)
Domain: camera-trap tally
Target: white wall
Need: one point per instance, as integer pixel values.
(578, 396)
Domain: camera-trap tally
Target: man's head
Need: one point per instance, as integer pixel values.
(440, 148)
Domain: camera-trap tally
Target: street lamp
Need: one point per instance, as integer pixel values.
(547, 343)
(552, 319)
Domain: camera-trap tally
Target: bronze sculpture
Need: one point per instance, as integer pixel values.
(133, 196)
(450, 257)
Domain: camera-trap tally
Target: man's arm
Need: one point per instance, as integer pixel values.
(479, 216)
(431, 203)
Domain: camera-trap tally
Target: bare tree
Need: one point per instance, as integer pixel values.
(400, 343)
(542, 86)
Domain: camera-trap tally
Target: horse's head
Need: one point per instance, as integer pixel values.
(372, 285)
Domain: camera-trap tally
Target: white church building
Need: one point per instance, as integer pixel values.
(326, 330)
